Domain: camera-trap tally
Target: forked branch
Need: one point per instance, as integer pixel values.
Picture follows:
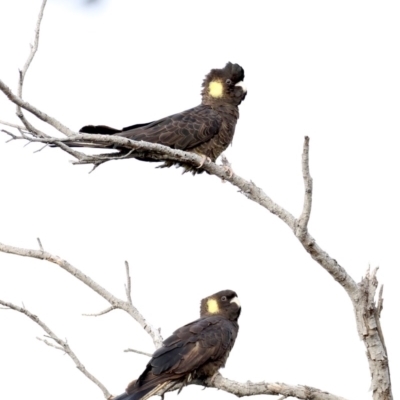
(114, 301)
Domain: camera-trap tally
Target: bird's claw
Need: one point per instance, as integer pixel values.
(228, 169)
(213, 377)
(203, 160)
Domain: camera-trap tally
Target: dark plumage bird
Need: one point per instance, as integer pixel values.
(206, 130)
(194, 351)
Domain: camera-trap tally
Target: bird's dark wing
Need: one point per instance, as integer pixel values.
(183, 131)
(190, 347)
(200, 347)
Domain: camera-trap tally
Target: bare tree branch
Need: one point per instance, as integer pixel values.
(369, 328)
(249, 388)
(62, 345)
(45, 341)
(24, 70)
(20, 103)
(227, 166)
(28, 126)
(305, 215)
(33, 51)
(128, 283)
(40, 114)
(11, 125)
(75, 272)
(128, 149)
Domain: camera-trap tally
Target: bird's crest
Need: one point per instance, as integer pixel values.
(224, 85)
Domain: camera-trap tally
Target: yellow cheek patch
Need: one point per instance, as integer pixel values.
(216, 89)
(212, 306)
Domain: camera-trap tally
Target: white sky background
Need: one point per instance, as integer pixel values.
(327, 70)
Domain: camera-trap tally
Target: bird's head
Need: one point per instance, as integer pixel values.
(225, 303)
(224, 85)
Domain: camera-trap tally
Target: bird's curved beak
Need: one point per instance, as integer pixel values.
(242, 85)
(236, 300)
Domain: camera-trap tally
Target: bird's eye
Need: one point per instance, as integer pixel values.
(223, 298)
(228, 82)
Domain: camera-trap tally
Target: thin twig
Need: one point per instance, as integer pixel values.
(22, 73)
(138, 352)
(96, 165)
(62, 345)
(42, 148)
(34, 48)
(40, 244)
(107, 310)
(10, 124)
(13, 137)
(305, 215)
(128, 283)
(50, 344)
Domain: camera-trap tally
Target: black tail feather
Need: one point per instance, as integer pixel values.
(99, 129)
(123, 396)
(137, 394)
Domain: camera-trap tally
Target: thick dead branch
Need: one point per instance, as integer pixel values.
(256, 194)
(61, 344)
(248, 388)
(251, 389)
(370, 331)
